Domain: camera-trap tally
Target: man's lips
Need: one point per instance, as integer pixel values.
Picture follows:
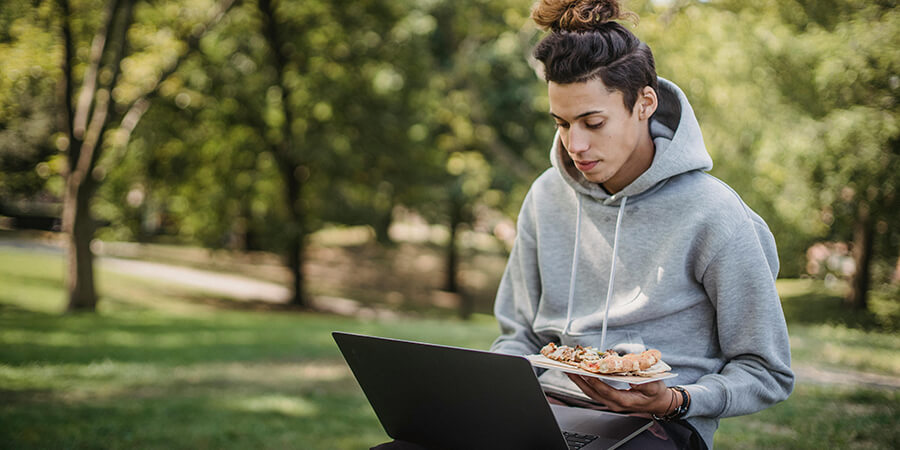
(584, 166)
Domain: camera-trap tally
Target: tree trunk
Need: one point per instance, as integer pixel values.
(863, 236)
(85, 130)
(896, 277)
(295, 266)
(290, 164)
(466, 308)
(79, 229)
(450, 284)
(296, 238)
(382, 225)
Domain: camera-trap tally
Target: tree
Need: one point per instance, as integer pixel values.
(88, 119)
(803, 97)
(839, 82)
(204, 178)
(85, 139)
(857, 162)
(335, 111)
(284, 148)
(477, 116)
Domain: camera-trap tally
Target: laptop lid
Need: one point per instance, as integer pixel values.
(451, 398)
(448, 397)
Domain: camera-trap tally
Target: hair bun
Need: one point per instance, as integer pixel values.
(578, 15)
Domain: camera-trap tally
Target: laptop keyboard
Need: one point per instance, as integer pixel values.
(576, 440)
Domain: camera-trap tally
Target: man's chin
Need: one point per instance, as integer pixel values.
(594, 178)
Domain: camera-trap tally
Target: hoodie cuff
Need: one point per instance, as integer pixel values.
(709, 399)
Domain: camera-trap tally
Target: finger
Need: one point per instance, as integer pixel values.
(588, 388)
(582, 384)
(637, 398)
(601, 392)
(647, 388)
(593, 384)
(604, 389)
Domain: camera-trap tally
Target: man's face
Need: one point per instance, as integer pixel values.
(607, 142)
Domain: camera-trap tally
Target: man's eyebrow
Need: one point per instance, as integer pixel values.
(584, 114)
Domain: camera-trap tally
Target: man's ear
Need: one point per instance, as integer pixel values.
(647, 102)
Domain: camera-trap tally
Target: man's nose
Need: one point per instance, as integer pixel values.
(579, 141)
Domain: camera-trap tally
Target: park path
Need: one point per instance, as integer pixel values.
(817, 375)
(246, 288)
(229, 285)
(237, 287)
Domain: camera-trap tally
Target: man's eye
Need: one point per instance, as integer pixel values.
(595, 125)
(562, 125)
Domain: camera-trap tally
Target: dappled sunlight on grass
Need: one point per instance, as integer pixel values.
(137, 339)
(252, 404)
(824, 333)
(845, 348)
(31, 281)
(160, 367)
(819, 417)
(795, 287)
(112, 377)
(810, 302)
(280, 404)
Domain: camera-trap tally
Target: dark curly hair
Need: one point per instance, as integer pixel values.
(585, 43)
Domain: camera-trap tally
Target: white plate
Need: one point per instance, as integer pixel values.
(547, 363)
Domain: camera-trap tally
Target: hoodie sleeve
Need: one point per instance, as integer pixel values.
(517, 298)
(740, 281)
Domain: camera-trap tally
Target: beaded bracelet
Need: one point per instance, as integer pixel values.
(680, 411)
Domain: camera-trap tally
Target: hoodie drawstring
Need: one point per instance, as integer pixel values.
(574, 267)
(612, 269)
(612, 272)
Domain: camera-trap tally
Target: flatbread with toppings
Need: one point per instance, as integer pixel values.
(646, 364)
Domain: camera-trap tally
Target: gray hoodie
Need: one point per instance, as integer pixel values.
(688, 267)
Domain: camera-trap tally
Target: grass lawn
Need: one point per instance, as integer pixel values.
(159, 367)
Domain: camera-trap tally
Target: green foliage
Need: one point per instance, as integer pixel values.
(798, 108)
(843, 90)
(366, 139)
(27, 106)
(433, 105)
(483, 96)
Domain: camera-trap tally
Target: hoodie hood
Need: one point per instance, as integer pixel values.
(679, 149)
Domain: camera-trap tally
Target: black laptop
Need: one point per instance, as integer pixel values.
(444, 397)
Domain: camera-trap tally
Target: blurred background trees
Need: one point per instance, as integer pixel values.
(249, 125)
(798, 103)
(107, 99)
